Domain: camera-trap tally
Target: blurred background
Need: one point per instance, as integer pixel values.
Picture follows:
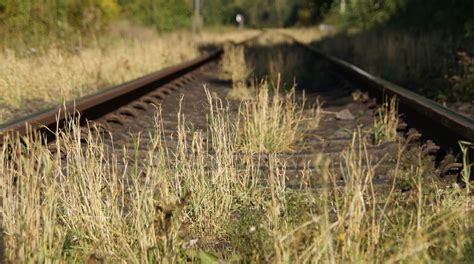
(424, 45)
(58, 18)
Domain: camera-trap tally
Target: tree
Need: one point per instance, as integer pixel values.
(163, 14)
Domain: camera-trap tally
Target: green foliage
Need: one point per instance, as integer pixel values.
(367, 13)
(256, 13)
(462, 84)
(266, 13)
(56, 16)
(308, 12)
(162, 14)
(40, 22)
(410, 14)
(91, 15)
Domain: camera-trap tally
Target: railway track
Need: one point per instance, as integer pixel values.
(129, 109)
(124, 120)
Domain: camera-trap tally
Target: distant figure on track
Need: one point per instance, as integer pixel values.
(239, 18)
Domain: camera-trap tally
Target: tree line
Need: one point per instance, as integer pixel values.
(56, 17)
(60, 17)
(266, 13)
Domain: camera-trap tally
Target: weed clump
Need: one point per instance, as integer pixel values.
(270, 122)
(240, 91)
(386, 122)
(234, 67)
(233, 64)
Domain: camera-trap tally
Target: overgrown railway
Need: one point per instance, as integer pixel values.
(349, 104)
(169, 167)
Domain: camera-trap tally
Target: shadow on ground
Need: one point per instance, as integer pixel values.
(293, 64)
(416, 48)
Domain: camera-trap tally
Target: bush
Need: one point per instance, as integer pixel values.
(165, 15)
(463, 84)
(40, 21)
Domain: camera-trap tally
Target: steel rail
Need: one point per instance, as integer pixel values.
(96, 105)
(434, 120)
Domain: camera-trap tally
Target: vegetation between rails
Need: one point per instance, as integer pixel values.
(270, 118)
(270, 122)
(386, 121)
(234, 67)
(208, 200)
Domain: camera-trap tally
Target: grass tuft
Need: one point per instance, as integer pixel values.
(234, 67)
(270, 122)
(386, 122)
(233, 64)
(240, 91)
(466, 147)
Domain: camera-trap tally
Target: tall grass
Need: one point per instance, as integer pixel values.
(233, 64)
(386, 121)
(45, 77)
(270, 122)
(357, 223)
(88, 204)
(421, 61)
(208, 200)
(32, 83)
(234, 67)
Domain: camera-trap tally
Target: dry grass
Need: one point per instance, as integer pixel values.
(386, 121)
(36, 82)
(43, 78)
(94, 204)
(208, 201)
(313, 115)
(422, 61)
(270, 121)
(88, 205)
(308, 35)
(228, 35)
(357, 223)
(233, 65)
(241, 91)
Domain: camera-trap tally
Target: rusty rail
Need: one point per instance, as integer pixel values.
(105, 101)
(434, 120)
(96, 105)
